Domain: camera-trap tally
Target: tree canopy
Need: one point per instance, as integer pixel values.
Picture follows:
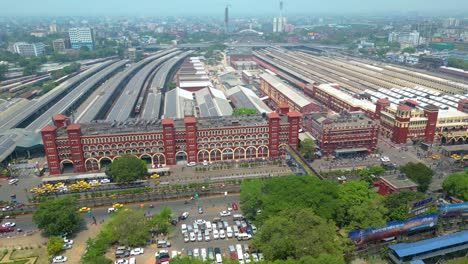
(458, 63)
(276, 194)
(297, 233)
(307, 148)
(127, 227)
(456, 184)
(419, 173)
(127, 168)
(57, 216)
(54, 245)
(244, 111)
(397, 204)
(359, 206)
(366, 174)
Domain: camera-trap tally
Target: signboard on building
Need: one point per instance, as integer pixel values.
(420, 207)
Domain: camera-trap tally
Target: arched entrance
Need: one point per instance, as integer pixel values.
(250, 153)
(239, 153)
(228, 154)
(104, 162)
(203, 155)
(92, 164)
(66, 166)
(181, 157)
(262, 152)
(215, 155)
(147, 158)
(159, 159)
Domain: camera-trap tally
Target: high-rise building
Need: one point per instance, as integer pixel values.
(27, 49)
(52, 28)
(59, 45)
(279, 24)
(406, 39)
(81, 37)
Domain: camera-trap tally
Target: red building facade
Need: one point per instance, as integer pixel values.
(88, 147)
(343, 135)
(395, 183)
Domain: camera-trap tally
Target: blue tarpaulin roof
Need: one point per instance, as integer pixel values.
(409, 249)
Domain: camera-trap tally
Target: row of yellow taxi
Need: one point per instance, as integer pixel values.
(62, 187)
(85, 209)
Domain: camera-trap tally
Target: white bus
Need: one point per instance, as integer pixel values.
(240, 255)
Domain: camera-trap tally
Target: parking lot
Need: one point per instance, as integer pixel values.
(200, 237)
(211, 206)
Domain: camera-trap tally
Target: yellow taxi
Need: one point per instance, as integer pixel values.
(456, 157)
(435, 156)
(154, 176)
(84, 209)
(117, 205)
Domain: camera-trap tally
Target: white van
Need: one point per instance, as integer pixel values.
(219, 259)
(243, 236)
(208, 226)
(236, 230)
(229, 232)
(237, 217)
(183, 228)
(132, 261)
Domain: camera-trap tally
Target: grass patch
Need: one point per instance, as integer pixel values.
(4, 252)
(17, 262)
(39, 253)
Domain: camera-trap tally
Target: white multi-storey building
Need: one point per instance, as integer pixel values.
(27, 49)
(81, 37)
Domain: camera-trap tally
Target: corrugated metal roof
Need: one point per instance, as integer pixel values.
(286, 90)
(408, 249)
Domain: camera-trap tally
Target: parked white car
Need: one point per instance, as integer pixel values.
(13, 181)
(137, 251)
(59, 259)
(225, 213)
(215, 234)
(9, 224)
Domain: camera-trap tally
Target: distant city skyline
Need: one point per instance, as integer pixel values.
(238, 7)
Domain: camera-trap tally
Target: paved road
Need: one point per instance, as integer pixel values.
(100, 213)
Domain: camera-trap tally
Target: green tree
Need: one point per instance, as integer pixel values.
(127, 227)
(359, 206)
(127, 168)
(456, 184)
(397, 204)
(296, 233)
(171, 85)
(307, 148)
(368, 174)
(244, 111)
(458, 63)
(54, 245)
(186, 260)
(161, 220)
(58, 215)
(419, 173)
(408, 50)
(276, 194)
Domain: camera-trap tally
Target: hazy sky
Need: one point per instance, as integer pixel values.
(195, 7)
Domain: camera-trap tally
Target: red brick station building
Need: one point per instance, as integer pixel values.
(87, 147)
